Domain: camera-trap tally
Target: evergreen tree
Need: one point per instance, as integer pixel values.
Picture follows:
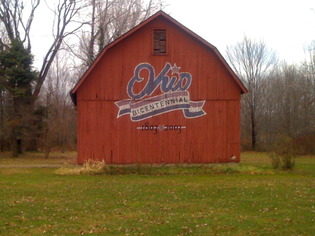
(16, 77)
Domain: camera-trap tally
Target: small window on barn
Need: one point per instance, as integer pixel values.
(159, 42)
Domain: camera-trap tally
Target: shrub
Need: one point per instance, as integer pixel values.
(288, 161)
(275, 160)
(283, 152)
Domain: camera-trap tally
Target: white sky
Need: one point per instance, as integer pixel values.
(286, 26)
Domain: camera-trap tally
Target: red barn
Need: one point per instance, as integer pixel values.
(159, 94)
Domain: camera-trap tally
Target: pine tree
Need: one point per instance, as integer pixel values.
(16, 77)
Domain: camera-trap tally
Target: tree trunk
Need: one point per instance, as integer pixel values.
(19, 146)
(33, 132)
(253, 137)
(253, 128)
(1, 122)
(14, 147)
(22, 115)
(16, 142)
(47, 143)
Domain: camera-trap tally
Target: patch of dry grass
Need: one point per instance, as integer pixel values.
(100, 168)
(89, 168)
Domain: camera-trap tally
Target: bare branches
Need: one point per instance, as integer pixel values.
(11, 15)
(5, 17)
(64, 25)
(27, 27)
(109, 20)
(17, 27)
(252, 62)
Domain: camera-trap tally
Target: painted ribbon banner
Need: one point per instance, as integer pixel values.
(161, 104)
(174, 94)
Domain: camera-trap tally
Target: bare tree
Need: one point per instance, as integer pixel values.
(252, 61)
(308, 88)
(109, 20)
(16, 28)
(65, 14)
(60, 121)
(11, 15)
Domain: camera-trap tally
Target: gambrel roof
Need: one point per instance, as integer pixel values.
(142, 24)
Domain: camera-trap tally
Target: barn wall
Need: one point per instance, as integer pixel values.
(213, 137)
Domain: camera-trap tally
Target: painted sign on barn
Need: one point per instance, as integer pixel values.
(173, 86)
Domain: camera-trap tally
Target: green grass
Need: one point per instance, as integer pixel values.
(36, 200)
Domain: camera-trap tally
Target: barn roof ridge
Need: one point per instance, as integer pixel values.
(139, 26)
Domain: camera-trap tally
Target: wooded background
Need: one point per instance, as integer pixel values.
(36, 112)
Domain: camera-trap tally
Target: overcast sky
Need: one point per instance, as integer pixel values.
(286, 26)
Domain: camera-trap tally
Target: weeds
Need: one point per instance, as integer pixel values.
(287, 160)
(90, 167)
(97, 168)
(275, 160)
(284, 153)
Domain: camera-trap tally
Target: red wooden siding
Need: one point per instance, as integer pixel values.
(213, 137)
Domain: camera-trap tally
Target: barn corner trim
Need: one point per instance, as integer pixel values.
(139, 26)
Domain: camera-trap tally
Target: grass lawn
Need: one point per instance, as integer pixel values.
(37, 200)
(37, 158)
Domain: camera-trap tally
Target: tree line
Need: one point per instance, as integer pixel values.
(280, 103)
(36, 112)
